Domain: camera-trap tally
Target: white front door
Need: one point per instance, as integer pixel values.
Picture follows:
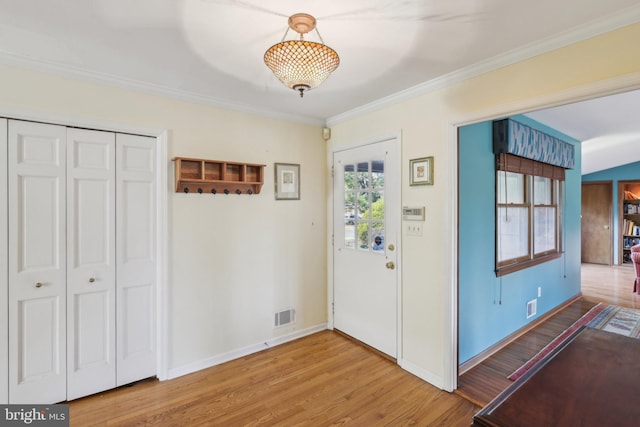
(91, 262)
(37, 263)
(365, 251)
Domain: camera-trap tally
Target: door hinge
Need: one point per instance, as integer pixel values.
(331, 171)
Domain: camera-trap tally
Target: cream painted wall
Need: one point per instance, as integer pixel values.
(427, 126)
(232, 260)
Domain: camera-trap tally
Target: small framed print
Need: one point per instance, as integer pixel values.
(287, 181)
(421, 171)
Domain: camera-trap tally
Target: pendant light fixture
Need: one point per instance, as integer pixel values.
(300, 64)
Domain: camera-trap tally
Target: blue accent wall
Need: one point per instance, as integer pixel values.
(491, 308)
(628, 172)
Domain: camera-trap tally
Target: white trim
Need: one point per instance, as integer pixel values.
(618, 20)
(65, 70)
(162, 161)
(421, 373)
(601, 88)
(241, 352)
(626, 17)
(162, 193)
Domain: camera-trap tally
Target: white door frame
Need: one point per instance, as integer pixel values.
(162, 165)
(397, 136)
(597, 89)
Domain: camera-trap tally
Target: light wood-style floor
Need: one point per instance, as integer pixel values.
(328, 380)
(321, 380)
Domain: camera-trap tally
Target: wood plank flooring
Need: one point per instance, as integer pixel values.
(325, 379)
(328, 380)
(611, 285)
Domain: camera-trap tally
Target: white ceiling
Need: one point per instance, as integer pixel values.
(211, 51)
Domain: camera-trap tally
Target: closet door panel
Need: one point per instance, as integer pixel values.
(136, 264)
(36, 262)
(91, 353)
(4, 283)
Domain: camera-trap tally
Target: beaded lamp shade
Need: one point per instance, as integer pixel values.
(299, 64)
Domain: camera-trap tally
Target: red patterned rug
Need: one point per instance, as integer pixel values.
(585, 319)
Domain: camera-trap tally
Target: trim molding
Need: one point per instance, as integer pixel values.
(241, 352)
(627, 17)
(479, 358)
(423, 374)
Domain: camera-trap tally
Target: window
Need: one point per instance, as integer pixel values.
(364, 206)
(528, 220)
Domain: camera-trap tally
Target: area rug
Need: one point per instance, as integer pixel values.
(619, 320)
(586, 318)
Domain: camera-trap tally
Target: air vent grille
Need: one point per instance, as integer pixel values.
(285, 317)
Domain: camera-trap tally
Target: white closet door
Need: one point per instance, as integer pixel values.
(136, 257)
(91, 275)
(4, 283)
(37, 263)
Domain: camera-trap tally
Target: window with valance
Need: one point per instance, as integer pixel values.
(530, 174)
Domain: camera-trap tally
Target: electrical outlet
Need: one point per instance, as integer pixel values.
(414, 229)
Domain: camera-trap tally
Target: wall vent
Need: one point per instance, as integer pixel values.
(532, 308)
(285, 317)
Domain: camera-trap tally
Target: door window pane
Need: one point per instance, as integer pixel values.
(364, 206)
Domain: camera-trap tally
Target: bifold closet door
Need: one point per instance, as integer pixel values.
(91, 262)
(4, 285)
(37, 262)
(136, 235)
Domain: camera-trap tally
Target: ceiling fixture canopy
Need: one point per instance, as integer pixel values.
(299, 64)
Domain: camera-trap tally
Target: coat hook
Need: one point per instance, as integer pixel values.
(249, 191)
(213, 191)
(186, 190)
(226, 191)
(238, 191)
(200, 190)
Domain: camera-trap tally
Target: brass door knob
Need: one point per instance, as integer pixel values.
(391, 265)
(391, 247)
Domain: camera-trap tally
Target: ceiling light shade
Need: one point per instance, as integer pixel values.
(299, 64)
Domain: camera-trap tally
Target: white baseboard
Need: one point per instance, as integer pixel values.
(241, 352)
(419, 372)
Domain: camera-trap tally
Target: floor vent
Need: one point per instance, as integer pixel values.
(285, 317)
(532, 308)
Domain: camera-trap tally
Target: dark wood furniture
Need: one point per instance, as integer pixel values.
(590, 380)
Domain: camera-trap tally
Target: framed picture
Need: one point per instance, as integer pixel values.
(421, 171)
(287, 177)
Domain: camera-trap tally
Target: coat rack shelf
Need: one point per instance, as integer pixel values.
(217, 177)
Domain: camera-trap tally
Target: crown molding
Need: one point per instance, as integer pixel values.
(626, 17)
(51, 67)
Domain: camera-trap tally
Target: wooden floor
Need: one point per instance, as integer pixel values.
(328, 380)
(321, 380)
(611, 285)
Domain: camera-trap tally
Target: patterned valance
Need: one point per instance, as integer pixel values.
(521, 140)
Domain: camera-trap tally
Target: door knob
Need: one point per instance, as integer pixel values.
(391, 265)
(38, 284)
(391, 247)
(92, 279)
